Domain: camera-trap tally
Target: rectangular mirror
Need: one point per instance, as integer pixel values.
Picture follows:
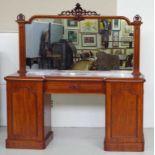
(90, 44)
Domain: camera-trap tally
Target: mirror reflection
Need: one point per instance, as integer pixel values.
(91, 44)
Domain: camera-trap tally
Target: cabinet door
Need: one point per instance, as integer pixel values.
(124, 114)
(25, 108)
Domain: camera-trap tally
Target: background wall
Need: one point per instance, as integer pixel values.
(10, 9)
(75, 110)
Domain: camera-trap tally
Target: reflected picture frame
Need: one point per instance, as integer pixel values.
(73, 36)
(116, 24)
(72, 24)
(89, 26)
(89, 40)
(115, 38)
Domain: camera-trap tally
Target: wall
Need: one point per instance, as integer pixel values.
(8, 64)
(75, 110)
(10, 9)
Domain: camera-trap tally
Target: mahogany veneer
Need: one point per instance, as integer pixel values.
(29, 114)
(28, 97)
(124, 116)
(29, 109)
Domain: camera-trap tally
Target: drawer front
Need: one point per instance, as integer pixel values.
(74, 87)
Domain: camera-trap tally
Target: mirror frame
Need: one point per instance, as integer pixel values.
(78, 13)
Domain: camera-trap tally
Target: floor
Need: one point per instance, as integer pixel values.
(76, 141)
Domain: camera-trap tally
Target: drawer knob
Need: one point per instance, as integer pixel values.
(75, 86)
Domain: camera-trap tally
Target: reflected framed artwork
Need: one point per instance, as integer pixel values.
(89, 40)
(72, 24)
(116, 24)
(115, 38)
(90, 26)
(73, 36)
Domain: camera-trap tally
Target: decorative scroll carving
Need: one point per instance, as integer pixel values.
(137, 18)
(20, 17)
(78, 12)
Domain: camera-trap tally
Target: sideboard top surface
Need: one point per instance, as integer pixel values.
(45, 75)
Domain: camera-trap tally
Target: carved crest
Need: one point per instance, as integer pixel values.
(78, 12)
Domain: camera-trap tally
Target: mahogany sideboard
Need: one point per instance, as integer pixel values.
(28, 92)
(29, 108)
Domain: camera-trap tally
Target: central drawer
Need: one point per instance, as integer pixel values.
(74, 87)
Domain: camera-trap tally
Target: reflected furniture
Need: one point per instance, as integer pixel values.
(30, 61)
(107, 61)
(29, 100)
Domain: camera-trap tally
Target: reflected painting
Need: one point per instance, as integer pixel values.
(91, 44)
